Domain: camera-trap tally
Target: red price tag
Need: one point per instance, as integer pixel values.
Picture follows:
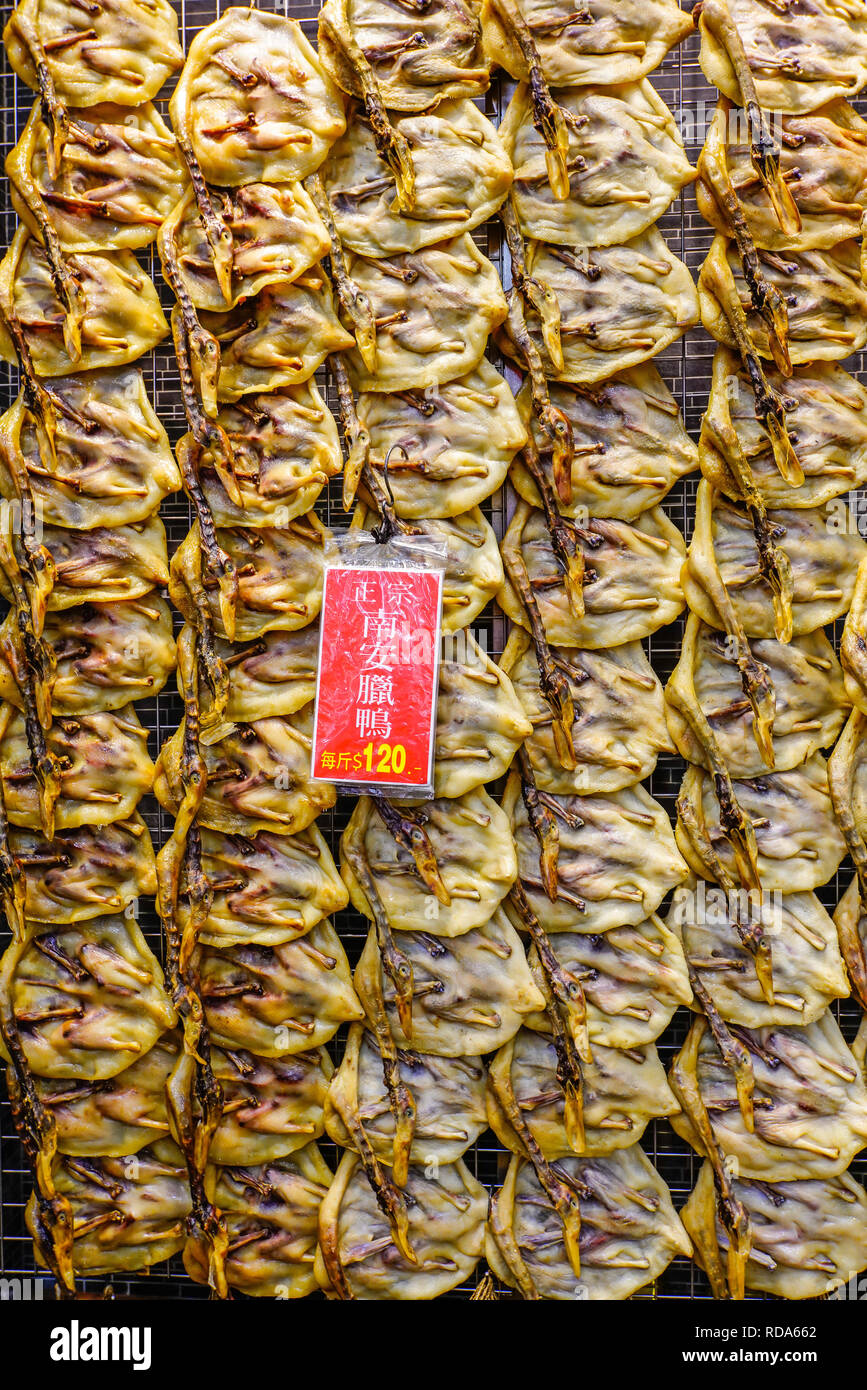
(376, 687)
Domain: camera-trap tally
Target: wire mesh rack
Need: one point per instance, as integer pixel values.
(686, 369)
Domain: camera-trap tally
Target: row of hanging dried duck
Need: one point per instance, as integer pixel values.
(772, 1095)
(752, 580)
(576, 1077)
(85, 466)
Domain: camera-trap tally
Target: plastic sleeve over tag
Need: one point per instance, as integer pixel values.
(378, 671)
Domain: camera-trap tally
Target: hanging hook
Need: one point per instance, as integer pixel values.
(385, 477)
(387, 526)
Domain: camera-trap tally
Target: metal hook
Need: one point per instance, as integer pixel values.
(384, 531)
(385, 477)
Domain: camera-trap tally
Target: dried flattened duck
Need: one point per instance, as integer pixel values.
(266, 889)
(806, 1238)
(462, 174)
(823, 162)
(279, 578)
(616, 859)
(826, 422)
(258, 777)
(853, 644)
(357, 1255)
(278, 1000)
(253, 102)
(272, 1107)
(473, 863)
(449, 1096)
(618, 727)
(728, 582)
(480, 721)
(798, 55)
(631, 578)
(619, 306)
(625, 164)
(798, 844)
(274, 675)
(474, 569)
(122, 318)
(276, 235)
(622, 1091)
(434, 309)
(111, 462)
(470, 993)
(129, 1213)
(406, 59)
(448, 447)
(847, 774)
(807, 968)
(89, 999)
(825, 301)
(629, 445)
(272, 1214)
(277, 339)
(629, 1230)
(285, 447)
(118, 178)
(111, 51)
(84, 873)
(849, 919)
(622, 40)
(104, 768)
(103, 565)
(810, 702)
(107, 655)
(633, 980)
(806, 1102)
(118, 1115)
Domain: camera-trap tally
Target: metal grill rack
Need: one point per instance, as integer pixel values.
(686, 369)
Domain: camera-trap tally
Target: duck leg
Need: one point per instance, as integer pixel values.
(194, 1095)
(391, 145)
(715, 16)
